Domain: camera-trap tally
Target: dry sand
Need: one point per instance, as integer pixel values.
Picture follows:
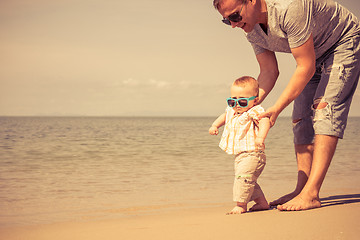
(339, 218)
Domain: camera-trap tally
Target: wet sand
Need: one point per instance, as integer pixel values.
(338, 218)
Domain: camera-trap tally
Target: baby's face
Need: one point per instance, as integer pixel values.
(243, 92)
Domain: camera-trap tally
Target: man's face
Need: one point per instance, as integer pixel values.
(229, 8)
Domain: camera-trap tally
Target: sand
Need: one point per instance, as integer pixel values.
(337, 219)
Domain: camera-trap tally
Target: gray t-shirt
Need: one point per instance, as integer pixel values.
(291, 22)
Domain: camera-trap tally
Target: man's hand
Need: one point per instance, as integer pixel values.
(272, 114)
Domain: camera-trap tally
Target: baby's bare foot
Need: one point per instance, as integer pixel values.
(259, 207)
(237, 210)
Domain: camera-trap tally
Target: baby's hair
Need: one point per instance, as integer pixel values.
(247, 81)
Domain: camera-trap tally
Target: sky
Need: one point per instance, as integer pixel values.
(125, 58)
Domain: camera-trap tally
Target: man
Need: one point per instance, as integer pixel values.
(324, 39)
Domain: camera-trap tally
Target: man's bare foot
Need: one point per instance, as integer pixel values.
(237, 210)
(300, 202)
(284, 199)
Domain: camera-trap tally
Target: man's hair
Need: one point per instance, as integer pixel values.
(217, 3)
(247, 81)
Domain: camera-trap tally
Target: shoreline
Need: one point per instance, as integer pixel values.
(338, 218)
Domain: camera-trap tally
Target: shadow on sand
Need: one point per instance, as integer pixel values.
(340, 200)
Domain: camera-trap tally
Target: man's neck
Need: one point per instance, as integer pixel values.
(263, 16)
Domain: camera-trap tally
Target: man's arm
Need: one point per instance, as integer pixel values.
(305, 69)
(269, 73)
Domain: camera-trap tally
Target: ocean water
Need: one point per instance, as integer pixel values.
(55, 169)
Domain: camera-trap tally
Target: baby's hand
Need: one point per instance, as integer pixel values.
(259, 142)
(213, 130)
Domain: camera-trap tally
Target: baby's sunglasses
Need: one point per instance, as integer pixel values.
(242, 102)
(234, 17)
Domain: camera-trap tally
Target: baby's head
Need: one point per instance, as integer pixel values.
(244, 92)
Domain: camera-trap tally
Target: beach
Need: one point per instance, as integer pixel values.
(157, 178)
(337, 219)
(105, 113)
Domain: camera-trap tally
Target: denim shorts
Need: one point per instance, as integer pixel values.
(331, 89)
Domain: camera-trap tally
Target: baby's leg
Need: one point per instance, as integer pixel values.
(248, 167)
(238, 209)
(260, 200)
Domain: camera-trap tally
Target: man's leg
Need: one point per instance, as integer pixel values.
(336, 76)
(303, 136)
(324, 149)
(304, 154)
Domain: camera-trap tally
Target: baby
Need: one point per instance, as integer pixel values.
(244, 135)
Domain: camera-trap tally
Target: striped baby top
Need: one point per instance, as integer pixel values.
(240, 131)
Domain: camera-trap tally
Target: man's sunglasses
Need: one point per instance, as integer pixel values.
(242, 102)
(234, 17)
